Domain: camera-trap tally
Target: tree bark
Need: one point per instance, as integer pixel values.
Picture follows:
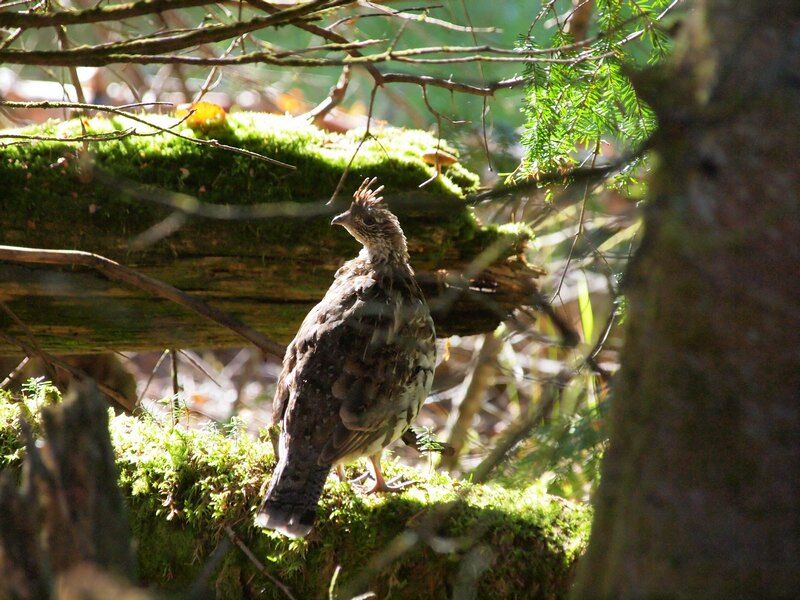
(699, 496)
(69, 512)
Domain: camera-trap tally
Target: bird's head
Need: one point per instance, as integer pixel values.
(371, 222)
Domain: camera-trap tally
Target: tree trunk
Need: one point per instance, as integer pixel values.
(68, 520)
(699, 496)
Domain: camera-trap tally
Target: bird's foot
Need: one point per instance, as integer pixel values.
(342, 476)
(381, 485)
(390, 486)
(359, 479)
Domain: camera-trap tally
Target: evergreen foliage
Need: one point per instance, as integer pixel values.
(574, 106)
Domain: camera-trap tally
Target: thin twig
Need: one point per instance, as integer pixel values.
(195, 361)
(124, 402)
(88, 137)
(519, 429)
(34, 345)
(572, 176)
(364, 138)
(334, 98)
(63, 42)
(257, 563)
(170, 42)
(581, 223)
(150, 378)
(14, 372)
(173, 354)
(33, 20)
(425, 18)
(133, 117)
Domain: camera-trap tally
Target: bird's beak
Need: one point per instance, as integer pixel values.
(342, 219)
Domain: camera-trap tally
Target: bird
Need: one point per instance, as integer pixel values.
(357, 372)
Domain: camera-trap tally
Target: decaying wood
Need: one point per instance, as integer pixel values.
(71, 308)
(69, 513)
(222, 232)
(116, 272)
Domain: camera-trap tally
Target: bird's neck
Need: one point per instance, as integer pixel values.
(381, 255)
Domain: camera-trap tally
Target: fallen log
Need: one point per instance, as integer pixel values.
(180, 213)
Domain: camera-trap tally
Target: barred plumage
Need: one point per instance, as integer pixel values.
(357, 372)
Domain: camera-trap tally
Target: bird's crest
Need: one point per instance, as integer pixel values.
(365, 196)
(370, 221)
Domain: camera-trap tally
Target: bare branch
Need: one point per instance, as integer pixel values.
(32, 20)
(34, 345)
(335, 97)
(54, 361)
(258, 564)
(171, 42)
(424, 18)
(520, 429)
(14, 372)
(455, 86)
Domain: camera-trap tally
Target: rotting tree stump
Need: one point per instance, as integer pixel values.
(66, 527)
(268, 272)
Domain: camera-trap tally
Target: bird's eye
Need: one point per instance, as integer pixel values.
(368, 219)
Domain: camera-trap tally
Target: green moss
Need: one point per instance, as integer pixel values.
(214, 175)
(43, 186)
(184, 486)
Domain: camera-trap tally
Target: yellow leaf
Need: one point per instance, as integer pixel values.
(205, 115)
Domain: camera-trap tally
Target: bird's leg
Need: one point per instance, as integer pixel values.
(342, 476)
(381, 485)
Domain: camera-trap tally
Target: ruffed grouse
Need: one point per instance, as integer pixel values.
(356, 373)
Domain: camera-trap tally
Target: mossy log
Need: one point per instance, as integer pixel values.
(267, 272)
(189, 489)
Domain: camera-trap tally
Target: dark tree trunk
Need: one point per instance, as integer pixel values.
(700, 489)
(66, 528)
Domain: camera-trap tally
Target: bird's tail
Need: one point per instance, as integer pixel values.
(292, 497)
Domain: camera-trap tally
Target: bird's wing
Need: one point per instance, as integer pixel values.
(357, 369)
(281, 398)
(387, 360)
(296, 351)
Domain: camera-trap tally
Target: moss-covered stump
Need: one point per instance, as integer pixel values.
(185, 486)
(268, 272)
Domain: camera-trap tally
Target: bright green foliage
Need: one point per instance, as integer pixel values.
(186, 485)
(574, 106)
